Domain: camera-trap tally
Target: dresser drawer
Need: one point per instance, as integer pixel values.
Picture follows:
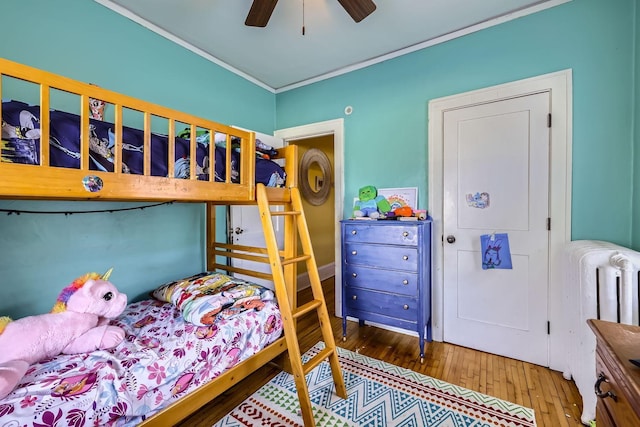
(383, 319)
(393, 257)
(393, 235)
(618, 410)
(603, 417)
(392, 305)
(396, 282)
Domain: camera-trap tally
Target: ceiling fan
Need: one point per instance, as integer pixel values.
(261, 10)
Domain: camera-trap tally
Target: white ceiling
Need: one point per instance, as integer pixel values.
(279, 57)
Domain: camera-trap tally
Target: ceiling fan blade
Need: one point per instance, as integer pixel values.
(358, 9)
(260, 13)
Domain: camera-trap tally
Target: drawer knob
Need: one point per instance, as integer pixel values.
(354, 232)
(354, 274)
(601, 394)
(406, 306)
(405, 233)
(405, 257)
(354, 297)
(354, 252)
(405, 282)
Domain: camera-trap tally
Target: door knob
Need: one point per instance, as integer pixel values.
(451, 238)
(238, 230)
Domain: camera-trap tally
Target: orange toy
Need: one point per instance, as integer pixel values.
(403, 211)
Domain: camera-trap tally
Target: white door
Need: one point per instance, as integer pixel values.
(502, 149)
(245, 227)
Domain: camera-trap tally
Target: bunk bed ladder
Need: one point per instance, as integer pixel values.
(293, 212)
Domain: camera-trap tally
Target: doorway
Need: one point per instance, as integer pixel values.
(557, 87)
(334, 128)
(318, 200)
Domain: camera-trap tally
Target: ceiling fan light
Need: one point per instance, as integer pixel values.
(358, 9)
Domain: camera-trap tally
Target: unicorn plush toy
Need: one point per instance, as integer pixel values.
(78, 323)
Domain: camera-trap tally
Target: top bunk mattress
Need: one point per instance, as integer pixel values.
(58, 144)
(21, 144)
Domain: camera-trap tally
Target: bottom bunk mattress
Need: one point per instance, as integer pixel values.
(163, 358)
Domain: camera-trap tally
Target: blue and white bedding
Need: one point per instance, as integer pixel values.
(21, 135)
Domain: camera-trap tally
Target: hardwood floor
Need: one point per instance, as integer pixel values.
(555, 400)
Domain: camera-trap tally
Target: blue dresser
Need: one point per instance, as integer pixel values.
(386, 274)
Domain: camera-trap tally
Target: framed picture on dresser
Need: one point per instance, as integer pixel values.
(398, 197)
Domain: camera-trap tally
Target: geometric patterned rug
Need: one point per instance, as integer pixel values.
(379, 394)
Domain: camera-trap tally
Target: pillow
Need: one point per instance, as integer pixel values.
(206, 297)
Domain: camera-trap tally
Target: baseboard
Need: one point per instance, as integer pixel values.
(325, 271)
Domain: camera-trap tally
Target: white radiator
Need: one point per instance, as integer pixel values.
(601, 283)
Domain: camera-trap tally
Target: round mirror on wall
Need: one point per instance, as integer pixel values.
(315, 176)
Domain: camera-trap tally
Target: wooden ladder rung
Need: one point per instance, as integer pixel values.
(316, 360)
(284, 213)
(305, 308)
(295, 259)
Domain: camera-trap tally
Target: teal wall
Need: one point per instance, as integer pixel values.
(385, 139)
(636, 132)
(386, 136)
(86, 41)
(83, 40)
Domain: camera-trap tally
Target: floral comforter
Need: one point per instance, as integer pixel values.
(162, 359)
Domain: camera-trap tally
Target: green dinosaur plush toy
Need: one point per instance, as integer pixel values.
(370, 204)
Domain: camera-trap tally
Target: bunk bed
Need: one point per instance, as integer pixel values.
(112, 161)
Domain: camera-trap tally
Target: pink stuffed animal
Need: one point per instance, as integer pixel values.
(78, 323)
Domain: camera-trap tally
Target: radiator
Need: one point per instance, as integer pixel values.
(601, 283)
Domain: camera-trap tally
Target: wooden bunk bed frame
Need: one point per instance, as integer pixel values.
(46, 182)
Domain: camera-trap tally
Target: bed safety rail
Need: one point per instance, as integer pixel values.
(45, 180)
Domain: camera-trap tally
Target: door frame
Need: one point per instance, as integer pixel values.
(559, 85)
(336, 128)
